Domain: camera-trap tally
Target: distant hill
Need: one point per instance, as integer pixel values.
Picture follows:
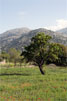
(15, 33)
(63, 31)
(18, 38)
(10, 36)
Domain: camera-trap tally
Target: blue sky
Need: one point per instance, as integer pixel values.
(50, 14)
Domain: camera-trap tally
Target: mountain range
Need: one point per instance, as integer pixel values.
(63, 31)
(20, 37)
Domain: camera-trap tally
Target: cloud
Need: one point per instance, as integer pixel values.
(61, 23)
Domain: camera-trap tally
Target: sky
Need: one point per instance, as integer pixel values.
(50, 14)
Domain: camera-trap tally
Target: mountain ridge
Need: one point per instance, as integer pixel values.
(63, 31)
(18, 38)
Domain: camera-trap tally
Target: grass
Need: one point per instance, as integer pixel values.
(27, 84)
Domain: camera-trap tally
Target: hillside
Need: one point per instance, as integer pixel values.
(10, 36)
(18, 38)
(63, 31)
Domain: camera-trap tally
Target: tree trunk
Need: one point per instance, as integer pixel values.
(42, 72)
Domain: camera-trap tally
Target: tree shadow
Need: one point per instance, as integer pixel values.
(17, 74)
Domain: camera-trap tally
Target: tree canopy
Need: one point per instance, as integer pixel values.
(37, 50)
(57, 54)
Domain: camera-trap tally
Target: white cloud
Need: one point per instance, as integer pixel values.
(61, 23)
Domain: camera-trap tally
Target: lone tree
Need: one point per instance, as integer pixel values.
(37, 50)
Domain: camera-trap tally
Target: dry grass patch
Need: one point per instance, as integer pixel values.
(25, 85)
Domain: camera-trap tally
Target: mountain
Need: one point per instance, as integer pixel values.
(18, 38)
(63, 31)
(8, 37)
(15, 33)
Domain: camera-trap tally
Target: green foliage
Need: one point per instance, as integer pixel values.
(4, 56)
(37, 50)
(14, 55)
(57, 54)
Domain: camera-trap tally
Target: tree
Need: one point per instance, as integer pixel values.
(14, 55)
(63, 56)
(37, 50)
(57, 54)
(4, 56)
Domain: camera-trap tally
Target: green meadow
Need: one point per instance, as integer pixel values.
(27, 84)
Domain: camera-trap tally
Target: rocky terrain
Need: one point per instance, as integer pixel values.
(18, 38)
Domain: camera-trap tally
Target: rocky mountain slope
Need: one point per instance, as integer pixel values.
(10, 36)
(63, 31)
(18, 38)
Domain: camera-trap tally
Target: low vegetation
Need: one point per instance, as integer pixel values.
(27, 84)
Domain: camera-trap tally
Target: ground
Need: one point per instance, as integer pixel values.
(27, 84)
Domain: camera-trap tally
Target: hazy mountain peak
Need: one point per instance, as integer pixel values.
(63, 32)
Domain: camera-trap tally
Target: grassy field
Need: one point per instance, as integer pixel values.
(27, 84)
